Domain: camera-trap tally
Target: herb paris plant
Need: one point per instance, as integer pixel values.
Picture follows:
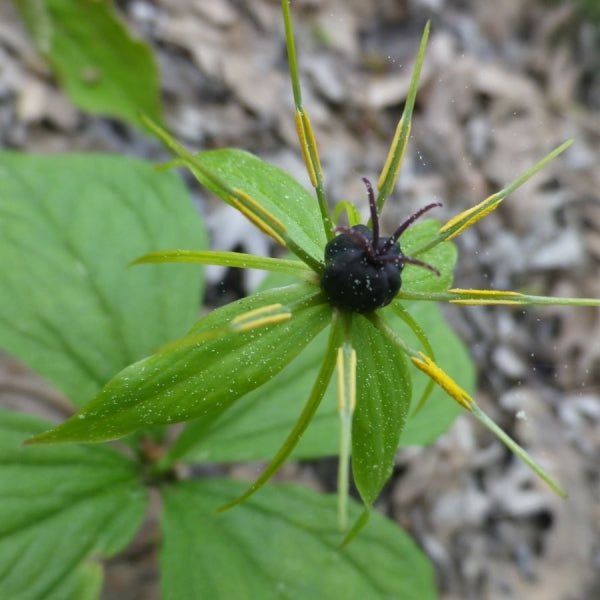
(239, 347)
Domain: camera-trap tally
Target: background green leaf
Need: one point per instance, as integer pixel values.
(194, 379)
(281, 543)
(69, 225)
(383, 393)
(61, 509)
(101, 67)
(274, 190)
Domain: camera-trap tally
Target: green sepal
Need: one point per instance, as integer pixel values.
(189, 380)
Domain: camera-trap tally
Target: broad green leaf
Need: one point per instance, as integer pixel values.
(442, 256)
(281, 543)
(440, 410)
(69, 305)
(203, 373)
(101, 67)
(383, 393)
(274, 190)
(255, 428)
(62, 508)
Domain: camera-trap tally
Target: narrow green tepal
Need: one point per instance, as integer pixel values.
(217, 363)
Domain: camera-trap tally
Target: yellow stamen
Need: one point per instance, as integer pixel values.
(486, 297)
(346, 378)
(254, 218)
(310, 138)
(257, 311)
(472, 215)
(390, 156)
(261, 209)
(352, 380)
(306, 137)
(341, 379)
(270, 320)
(450, 386)
(249, 320)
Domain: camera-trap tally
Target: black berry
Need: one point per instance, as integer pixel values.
(363, 270)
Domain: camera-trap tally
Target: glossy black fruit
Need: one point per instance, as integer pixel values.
(363, 270)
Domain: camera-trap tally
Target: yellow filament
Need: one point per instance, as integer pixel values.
(450, 386)
(300, 128)
(472, 215)
(390, 156)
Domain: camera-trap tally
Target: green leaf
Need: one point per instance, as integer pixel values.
(281, 544)
(383, 393)
(101, 67)
(442, 256)
(203, 373)
(439, 411)
(61, 509)
(275, 190)
(69, 226)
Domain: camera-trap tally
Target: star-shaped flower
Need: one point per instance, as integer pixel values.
(351, 279)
